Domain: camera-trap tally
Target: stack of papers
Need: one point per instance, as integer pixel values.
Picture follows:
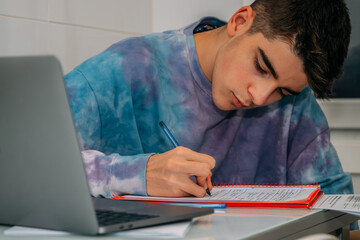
(349, 203)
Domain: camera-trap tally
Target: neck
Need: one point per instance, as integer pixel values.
(207, 45)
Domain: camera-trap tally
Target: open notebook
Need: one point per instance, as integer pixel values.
(302, 196)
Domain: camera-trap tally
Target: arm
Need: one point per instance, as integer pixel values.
(107, 173)
(114, 159)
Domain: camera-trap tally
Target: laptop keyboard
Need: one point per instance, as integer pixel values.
(106, 217)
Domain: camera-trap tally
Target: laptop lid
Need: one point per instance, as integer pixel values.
(37, 132)
(42, 179)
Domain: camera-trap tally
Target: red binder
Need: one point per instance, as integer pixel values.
(248, 195)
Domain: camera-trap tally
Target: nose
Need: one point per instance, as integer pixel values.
(263, 94)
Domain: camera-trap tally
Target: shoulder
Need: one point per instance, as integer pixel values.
(307, 120)
(149, 45)
(137, 48)
(307, 108)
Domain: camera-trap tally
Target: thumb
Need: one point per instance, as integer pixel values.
(201, 181)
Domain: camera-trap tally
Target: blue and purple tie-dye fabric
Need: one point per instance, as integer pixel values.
(119, 96)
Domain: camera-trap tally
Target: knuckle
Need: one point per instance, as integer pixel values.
(205, 171)
(180, 150)
(169, 164)
(213, 162)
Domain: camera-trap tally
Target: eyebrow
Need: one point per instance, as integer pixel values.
(268, 63)
(273, 72)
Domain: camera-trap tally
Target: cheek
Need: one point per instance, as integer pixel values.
(220, 88)
(224, 62)
(227, 72)
(231, 72)
(238, 73)
(221, 69)
(226, 65)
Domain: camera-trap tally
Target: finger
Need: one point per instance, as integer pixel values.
(194, 168)
(208, 183)
(201, 181)
(192, 188)
(191, 155)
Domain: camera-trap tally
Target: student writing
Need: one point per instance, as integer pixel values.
(237, 95)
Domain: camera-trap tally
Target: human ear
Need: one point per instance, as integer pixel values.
(241, 21)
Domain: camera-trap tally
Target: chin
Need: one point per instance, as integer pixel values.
(221, 103)
(224, 106)
(228, 108)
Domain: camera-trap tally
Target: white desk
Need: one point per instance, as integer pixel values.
(242, 223)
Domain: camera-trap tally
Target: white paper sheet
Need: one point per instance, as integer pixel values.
(174, 230)
(171, 230)
(345, 203)
(254, 194)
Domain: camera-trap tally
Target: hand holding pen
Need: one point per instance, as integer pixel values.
(176, 144)
(168, 174)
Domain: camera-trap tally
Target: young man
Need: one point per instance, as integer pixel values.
(236, 98)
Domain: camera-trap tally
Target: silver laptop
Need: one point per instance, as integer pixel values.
(42, 177)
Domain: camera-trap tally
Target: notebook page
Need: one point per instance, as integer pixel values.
(249, 194)
(261, 194)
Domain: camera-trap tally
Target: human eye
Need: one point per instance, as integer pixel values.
(258, 67)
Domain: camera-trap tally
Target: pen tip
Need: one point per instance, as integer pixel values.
(208, 191)
(161, 123)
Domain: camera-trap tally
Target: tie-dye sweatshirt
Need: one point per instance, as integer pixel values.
(119, 96)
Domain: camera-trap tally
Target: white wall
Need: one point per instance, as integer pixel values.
(170, 14)
(75, 30)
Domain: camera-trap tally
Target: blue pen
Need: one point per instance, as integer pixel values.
(174, 142)
(168, 134)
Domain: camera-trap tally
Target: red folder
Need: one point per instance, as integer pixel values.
(249, 195)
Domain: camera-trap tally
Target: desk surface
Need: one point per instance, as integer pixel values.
(243, 223)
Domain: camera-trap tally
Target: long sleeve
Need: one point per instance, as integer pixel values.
(109, 172)
(118, 97)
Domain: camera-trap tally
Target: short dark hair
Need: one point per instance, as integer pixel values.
(318, 31)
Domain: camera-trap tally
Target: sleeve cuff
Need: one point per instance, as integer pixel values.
(129, 175)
